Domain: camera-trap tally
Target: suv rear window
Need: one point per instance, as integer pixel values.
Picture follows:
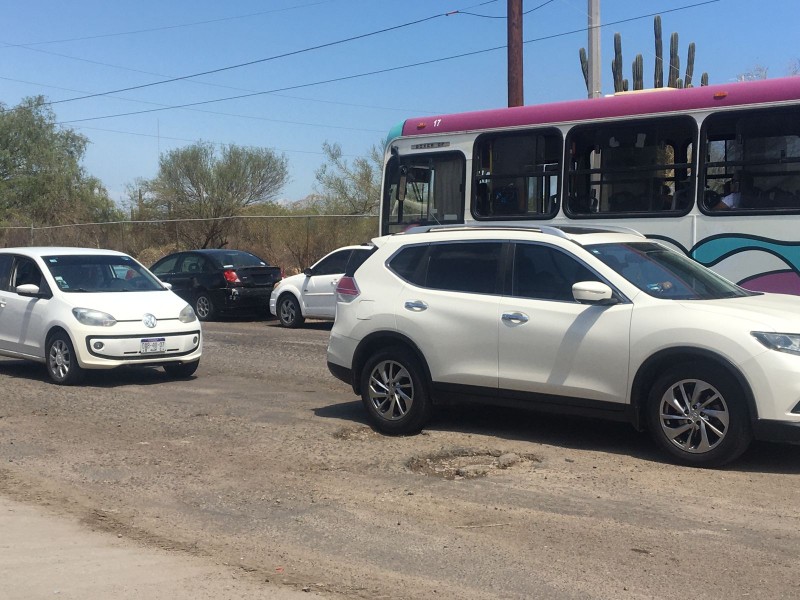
(458, 266)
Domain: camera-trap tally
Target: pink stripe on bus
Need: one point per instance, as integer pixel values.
(646, 102)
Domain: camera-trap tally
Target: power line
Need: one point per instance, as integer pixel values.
(527, 12)
(165, 27)
(388, 69)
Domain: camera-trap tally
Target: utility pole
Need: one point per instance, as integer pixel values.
(515, 93)
(594, 49)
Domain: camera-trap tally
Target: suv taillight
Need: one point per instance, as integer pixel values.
(231, 276)
(347, 289)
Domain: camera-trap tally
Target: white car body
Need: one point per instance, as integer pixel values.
(153, 327)
(313, 290)
(598, 359)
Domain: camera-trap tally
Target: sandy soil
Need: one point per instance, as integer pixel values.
(263, 466)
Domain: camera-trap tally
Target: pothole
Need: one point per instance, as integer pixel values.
(355, 433)
(467, 463)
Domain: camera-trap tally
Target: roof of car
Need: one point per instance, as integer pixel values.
(578, 234)
(61, 250)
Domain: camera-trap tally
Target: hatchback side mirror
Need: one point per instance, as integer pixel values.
(29, 290)
(593, 292)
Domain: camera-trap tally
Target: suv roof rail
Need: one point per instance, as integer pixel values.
(562, 230)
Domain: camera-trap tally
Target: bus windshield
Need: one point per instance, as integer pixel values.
(424, 189)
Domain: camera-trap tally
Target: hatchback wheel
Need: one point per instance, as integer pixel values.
(204, 307)
(181, 370)
(395, 392)
(697, 414)
(62, 364)
(289, 313)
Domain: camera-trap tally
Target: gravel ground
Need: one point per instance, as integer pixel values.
(264, 464)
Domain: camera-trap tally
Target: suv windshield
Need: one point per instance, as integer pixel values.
(100, 273)
(664, 273)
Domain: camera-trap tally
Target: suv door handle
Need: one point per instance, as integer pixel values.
(415, 305)
(515, 317)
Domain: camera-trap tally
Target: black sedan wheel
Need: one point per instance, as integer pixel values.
(204, 307)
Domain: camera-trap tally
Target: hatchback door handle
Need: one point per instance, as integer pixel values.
(515, 317)
(415, 305)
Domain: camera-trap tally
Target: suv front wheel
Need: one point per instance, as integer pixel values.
(696, 412)
(395, 392)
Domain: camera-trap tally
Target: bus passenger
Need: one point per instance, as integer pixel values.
(731, 198)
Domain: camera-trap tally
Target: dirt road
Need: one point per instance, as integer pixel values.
(264, 462)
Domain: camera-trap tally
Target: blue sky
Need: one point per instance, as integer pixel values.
(65, 50)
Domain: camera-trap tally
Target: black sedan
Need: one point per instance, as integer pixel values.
(219, 281)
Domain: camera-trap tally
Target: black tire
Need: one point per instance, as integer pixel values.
(697, 414)
(289, 313)
(394, 390)
(204, 307)
(181, 370)
(61, 361)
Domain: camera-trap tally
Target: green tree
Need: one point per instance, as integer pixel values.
(349, 188)
(41, 179)
(198, 183)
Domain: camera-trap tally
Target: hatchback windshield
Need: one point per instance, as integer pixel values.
(664, 273)
(100, 273)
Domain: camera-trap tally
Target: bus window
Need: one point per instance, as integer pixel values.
(517, 175)
(631, 167)
(423, 190)
(752, 161)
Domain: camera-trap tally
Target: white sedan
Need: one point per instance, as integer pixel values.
(75, 309)
(310, 294)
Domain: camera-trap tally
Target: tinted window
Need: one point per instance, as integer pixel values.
(410, 264)
(26, 272)
(192, 263)
(100, 273)
(546, 273)
(6, 261)
(465, 267)
(235, 258)
(357, 258)
(166, 265)
(333, 264)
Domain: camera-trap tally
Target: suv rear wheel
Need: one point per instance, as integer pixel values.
(395, 392)
(697, 414)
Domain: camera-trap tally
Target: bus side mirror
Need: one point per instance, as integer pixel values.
(401, 185)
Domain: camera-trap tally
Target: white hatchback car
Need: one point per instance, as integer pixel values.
(75, 309)
(310, 294)
(574, 320)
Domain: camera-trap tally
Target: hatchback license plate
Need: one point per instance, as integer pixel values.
(150, 345)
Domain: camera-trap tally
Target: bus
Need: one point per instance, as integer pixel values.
(713, 171)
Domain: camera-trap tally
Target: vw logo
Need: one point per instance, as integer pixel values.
(149, 320)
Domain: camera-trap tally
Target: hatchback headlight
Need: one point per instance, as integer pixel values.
(187, 315)
(782, 342)
(89, 316)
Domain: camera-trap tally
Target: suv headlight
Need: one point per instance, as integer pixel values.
(89, 316)
(782, 342)
(187, 315)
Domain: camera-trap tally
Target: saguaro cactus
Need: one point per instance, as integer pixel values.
(638, 73)
(658, 76)
(674, 61)
(687, 80)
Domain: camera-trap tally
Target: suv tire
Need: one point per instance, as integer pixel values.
(696, 412)
(394, 391)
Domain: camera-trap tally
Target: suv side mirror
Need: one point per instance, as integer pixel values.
(593, 292)
(29, 290)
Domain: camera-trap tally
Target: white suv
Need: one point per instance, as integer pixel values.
(310, 294)
(82, 308)
(576, 320)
